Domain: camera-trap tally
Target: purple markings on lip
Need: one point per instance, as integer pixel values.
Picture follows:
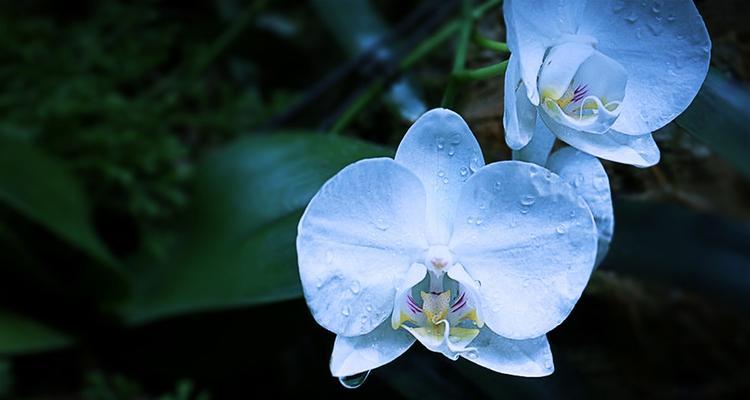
(460, 302)
(413, 305)
(580, 92)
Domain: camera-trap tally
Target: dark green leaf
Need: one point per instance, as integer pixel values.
(718, 116)
(22, 335)
(40, 188)
(239, 248)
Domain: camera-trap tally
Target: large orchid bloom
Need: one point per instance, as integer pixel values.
(472, 260)
(601, 75)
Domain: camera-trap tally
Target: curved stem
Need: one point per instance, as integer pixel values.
(490, 71)
(494, 45)
(462, 48)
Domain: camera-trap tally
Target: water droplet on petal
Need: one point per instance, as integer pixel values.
(368, 308)
(456, 139)
(381, 224)
(469, 220)
(345, 311)
(656, 7)
(548, 364)
(451, 152)
(472, 354)
(632, 17)
(671, 17)
(524, 210)
(600, 183)
(354, 381)
(441, 173)
(463, 171)
(445, 180)
(479, 221)
(498, 186)
(474, 164)
(440, 142)
(560, 229)
(578, 180)
(528, 200)
(354, 287)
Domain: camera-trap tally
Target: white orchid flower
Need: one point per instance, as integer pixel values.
(601, 75)
(473, 261)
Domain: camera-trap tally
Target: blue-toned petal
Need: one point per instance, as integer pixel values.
(352, 355)
(539, 147)
(665, 48)
(443, 153)
(356, 240)
(529, 358)
(640, 151)
(532, 28)
(519, 116)
(586, 174)
(530, 240)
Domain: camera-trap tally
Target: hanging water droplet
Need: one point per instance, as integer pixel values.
(441, 173)
(354, 287)
(463, 171)
(479, 221)
(440, 142)
(671, 17)
(345, 311)
(469, 220)
(632, 17)
(498, 186)
(445, 180)
(560, 229)
(451, 151)
(528, 200)
(656, 7)
(524, 210)
(354, 381)
(572, 214)
(456, 139)
(368, 308)
(472, 354)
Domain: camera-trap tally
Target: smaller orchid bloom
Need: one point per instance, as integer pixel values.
(471, 260)
(601, 75)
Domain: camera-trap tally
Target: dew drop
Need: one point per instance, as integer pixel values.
(463, 171)
(441, 173)
(548, 364)
(572, 214)
(354, 287)
(345, 311)
(472, 354)
(469, 220)
(528, 200)
(445, 180)
(451, 151)
(455, 139)
(329, 257)
(381, 224)
(440, 142)
(524, 210)
(578, 181)
(498, 186)
(560, 229)
(474, 164)
(632, 17)
(671, 17)
(600, 183)
(656, 7)
(354, 381)
(368, 308)
(453, 339)
(479, 221)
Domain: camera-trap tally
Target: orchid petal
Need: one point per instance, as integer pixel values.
(587, 175)
(519, 116)
(531, 242)
(539, 147)
(529, 358)
(665, 49)
(441, 150)
(352, 355)
(356, 240)
(640, 151)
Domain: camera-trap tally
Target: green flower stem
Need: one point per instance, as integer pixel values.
(490, 71)
(494, 45)
(429, 45)
(462, 47)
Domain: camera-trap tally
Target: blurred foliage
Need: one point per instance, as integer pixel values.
(153, 172)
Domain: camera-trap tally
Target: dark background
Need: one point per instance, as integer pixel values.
(155, 157)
